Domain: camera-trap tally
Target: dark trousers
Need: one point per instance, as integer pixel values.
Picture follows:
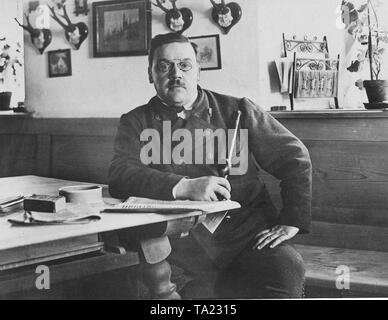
(266, 273)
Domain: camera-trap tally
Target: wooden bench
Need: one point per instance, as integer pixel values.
(368, 273)
(360, 249)
(343, 239)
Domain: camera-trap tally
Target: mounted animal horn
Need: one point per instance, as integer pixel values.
(74, 33)
(40, 38)
(177, 20)
(226, 15)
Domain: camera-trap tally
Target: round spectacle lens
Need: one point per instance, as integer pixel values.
(164, 66)
(185, 65)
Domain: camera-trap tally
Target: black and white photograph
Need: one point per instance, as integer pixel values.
(209, 54)
(59, 63)
(238, 159)
(121, 28)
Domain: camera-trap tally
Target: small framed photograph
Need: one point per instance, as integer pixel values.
(209, 54)
(121, 28)
(59, 63)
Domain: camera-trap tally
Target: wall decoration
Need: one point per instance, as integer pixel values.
(209, 54)
(41, 17)
(74, 33)
(81, 7)
(121, 28)
(32, 5)
(177, 20)
(40, 37)
(59, 63)
(226, 15)
(313, 73)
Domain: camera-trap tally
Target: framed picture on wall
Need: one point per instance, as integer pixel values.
(209, 54)
(59, 63)
(121, 28)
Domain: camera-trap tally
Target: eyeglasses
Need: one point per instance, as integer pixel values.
(166, 66)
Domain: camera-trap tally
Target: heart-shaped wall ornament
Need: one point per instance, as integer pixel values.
(226, 15)
(76, 34)
(40, 38)
(179, 20)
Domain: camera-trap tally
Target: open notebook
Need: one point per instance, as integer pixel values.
(217, 210)
(144, 205)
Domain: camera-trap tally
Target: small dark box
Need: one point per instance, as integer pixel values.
(44, 203)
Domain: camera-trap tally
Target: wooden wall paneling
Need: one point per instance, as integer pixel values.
(339, 129)
(359, 216)
(331, 212)
(43, 156)
(18, 154)
(350, 181)
(81, 158)
(75, 126)
(59, 126)
(349, 160)
(346, 236)
(349, 174)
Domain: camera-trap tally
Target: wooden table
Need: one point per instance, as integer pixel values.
(28, 245)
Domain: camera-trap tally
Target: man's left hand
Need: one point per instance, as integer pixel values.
(275, 236)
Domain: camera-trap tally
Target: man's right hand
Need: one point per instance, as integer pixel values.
(202, 189)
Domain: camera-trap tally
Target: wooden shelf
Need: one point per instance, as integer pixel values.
(330, 114)
(11, 114)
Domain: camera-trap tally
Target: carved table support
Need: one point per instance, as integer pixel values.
(157, 277)
(155, 269)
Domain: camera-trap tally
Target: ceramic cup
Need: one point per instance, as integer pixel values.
(82, 194)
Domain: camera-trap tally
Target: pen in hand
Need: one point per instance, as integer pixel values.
(224, 169)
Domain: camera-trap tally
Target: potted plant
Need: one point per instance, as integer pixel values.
(9, 61)
(363, 25)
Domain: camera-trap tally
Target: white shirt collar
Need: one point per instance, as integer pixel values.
(188, 107)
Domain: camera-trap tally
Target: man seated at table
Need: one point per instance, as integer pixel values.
(247, 256)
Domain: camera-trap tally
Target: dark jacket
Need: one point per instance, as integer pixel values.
(271, 146)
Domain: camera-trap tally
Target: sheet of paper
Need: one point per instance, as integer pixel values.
(212, 221)
(73, 213)
(283, 66)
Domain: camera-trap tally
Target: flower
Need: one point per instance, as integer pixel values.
(363, 25)
(10, 59)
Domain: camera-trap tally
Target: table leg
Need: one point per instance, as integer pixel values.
(156, 271)
(157, 277)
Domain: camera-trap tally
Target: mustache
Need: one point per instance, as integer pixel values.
(176, 82)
